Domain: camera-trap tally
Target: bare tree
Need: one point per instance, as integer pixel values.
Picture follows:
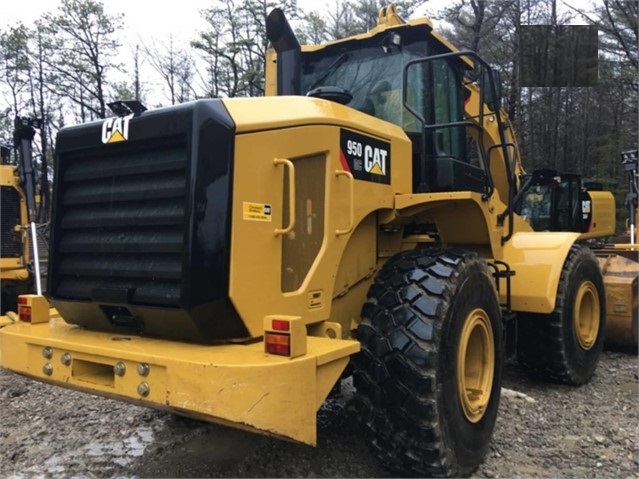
(176, 68)
(25, 78)
(313, 29)
(42, 101)
(83, 38)
(14, 71)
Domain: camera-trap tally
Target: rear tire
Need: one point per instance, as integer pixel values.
(564, 346)
(428, 376)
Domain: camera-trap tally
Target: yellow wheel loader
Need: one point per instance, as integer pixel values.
(15, 256)
(233, 259)
(620, 263)
(553, 201)
(19, 258)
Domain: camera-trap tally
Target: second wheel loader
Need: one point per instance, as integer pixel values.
(19, 261)
(233, 259)
(619, 261)
(15, 274)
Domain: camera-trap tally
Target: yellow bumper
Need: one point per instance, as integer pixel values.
(236, 385)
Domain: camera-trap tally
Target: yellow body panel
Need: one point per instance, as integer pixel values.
(238, 384)
(537, 259)
(604, 215)
(462, 217)
(15, 269)
(257, 252)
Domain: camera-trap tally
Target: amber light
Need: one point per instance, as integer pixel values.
(25, 313)
(280, 325)
(22, 300)
(277, 343)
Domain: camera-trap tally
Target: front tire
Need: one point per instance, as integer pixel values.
(564, 346)
(429, 373)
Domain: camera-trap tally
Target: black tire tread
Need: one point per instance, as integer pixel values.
(544, 348)
(395, 372)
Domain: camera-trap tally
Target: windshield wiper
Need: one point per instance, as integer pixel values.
(333, 66)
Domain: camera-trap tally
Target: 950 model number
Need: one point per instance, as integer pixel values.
(366, 158)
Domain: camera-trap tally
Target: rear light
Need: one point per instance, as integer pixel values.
(25, 313)
(285, 335)
(280, 325)
(277, 343)
(33, 308)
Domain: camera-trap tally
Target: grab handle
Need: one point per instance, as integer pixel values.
(288, 164)
(351, 196)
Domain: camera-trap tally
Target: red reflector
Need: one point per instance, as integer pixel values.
(25, 313)
(280, 325)
(278, 344)
(22, 300)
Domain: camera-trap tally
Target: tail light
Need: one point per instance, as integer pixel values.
(284, 336)
(33, 308)
(277, 343)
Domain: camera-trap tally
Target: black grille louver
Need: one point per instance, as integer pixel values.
(122, 223)
(10, 239)
(129, 245)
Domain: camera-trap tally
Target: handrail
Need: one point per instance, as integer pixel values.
(291, 188)
(351, 185)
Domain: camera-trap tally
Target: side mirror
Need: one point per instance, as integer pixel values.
(491, 86)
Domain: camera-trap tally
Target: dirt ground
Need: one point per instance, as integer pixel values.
(543, 431)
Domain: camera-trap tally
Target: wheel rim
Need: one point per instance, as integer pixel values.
(475, 365)
(586, 315)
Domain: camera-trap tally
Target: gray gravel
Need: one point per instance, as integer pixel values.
(543, 431)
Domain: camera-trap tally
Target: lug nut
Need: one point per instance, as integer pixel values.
(65, 359)
(47, 352)
(143, 389)
(143, 369)
(119, 368)
(47, 369)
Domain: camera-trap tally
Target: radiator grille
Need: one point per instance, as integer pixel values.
(10, 243)
(120, 224)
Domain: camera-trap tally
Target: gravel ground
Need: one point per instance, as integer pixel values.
(543, 431)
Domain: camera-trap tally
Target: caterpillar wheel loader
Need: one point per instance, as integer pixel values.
(14, 246)
(619, 261)
(554, 201)
(233, 259)
(19, 259)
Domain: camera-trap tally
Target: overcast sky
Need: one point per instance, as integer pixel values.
(148, 19)
(145, 19)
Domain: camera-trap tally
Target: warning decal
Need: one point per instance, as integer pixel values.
(256, 211)
(366, 158)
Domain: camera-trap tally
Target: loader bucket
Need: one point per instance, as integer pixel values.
(621, 277)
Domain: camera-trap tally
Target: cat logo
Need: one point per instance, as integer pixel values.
(375, 160)
(367, 158)
(116, 129)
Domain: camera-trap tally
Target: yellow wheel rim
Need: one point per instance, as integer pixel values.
(475, 365)
(586, 315)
